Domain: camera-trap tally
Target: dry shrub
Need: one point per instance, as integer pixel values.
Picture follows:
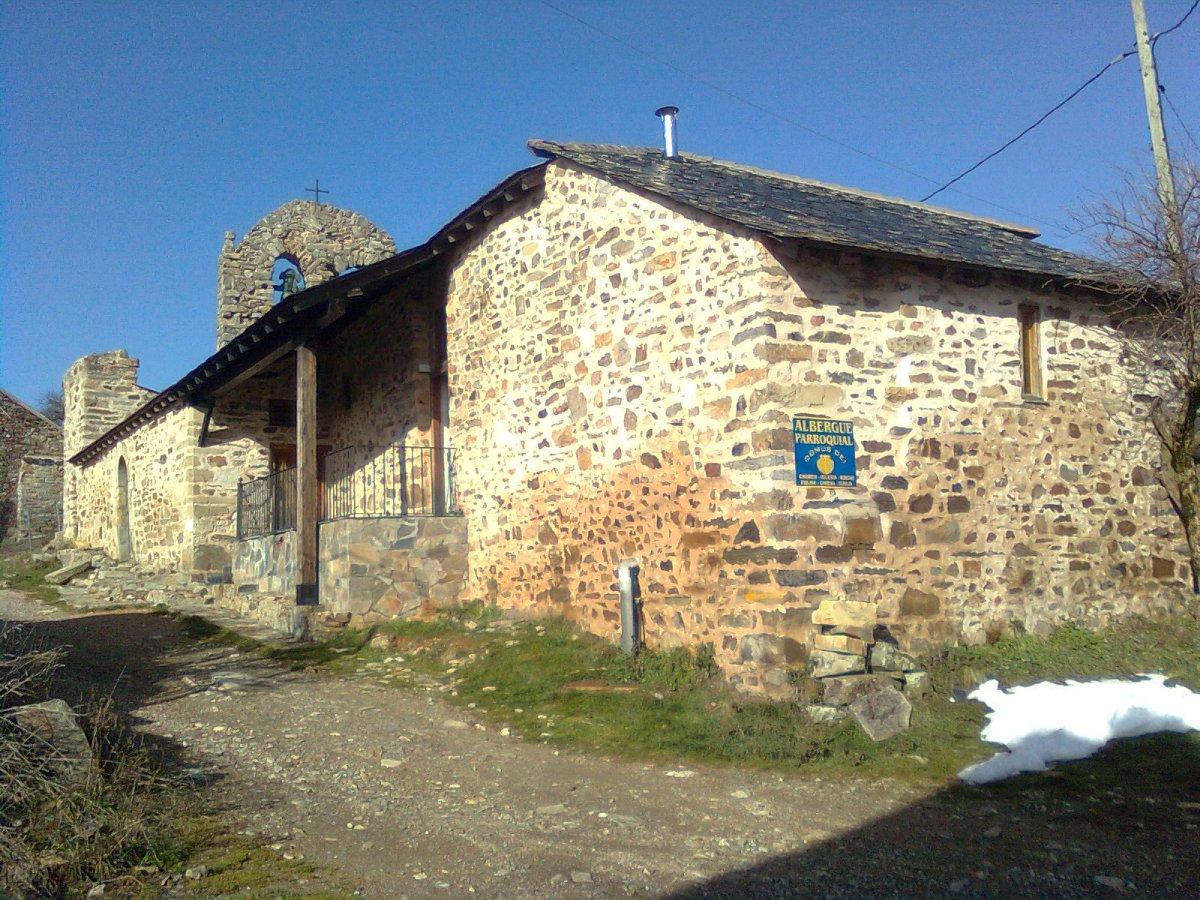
(58, 834)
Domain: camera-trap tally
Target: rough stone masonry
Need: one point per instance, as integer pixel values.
(630, 368)
(626, 342)
(31, 472)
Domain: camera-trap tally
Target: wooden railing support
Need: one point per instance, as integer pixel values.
(308, 498)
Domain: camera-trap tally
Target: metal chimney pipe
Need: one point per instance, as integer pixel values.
(668, 114)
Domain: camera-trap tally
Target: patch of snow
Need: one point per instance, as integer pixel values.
(1048, 722)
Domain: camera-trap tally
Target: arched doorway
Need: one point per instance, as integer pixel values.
(124, 542)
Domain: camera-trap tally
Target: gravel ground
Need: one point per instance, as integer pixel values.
(407, 796)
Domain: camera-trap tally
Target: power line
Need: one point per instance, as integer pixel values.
(1191, 9)
(1182, 124)
(1071, 96)
(775, 113)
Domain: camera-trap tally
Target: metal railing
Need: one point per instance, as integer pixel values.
(266, 505)
(395, 480)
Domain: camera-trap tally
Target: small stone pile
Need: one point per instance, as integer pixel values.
(860, 675)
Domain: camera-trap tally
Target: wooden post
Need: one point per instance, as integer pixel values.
(437, 387)
(1158, 133)
(308, 512)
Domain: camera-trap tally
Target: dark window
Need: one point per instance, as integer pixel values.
(281, 413)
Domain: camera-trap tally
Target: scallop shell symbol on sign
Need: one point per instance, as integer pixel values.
(825, 464)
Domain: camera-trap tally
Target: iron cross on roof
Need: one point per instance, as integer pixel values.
(316, 190)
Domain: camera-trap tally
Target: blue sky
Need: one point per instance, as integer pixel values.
(136, 134)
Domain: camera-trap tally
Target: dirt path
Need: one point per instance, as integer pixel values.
(407, 796)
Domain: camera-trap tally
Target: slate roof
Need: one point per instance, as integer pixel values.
(790, 207)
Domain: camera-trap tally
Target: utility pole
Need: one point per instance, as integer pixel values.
(1158, 134)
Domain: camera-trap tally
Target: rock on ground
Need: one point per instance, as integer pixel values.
(882, 714)
(54, 725)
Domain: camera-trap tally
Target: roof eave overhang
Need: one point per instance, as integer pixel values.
(302, 312)
(1081, 280)
(1084, 281)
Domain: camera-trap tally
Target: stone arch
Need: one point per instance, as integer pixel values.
(284, 263)
(323, 240)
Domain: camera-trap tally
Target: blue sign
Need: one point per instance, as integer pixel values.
(824, 452)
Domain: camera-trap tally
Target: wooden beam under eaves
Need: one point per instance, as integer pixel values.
(336, 309)
(249, 372)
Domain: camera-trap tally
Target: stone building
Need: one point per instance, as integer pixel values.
(615, 355)
(31, 469)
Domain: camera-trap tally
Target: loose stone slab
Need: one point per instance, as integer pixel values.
(825, 715)
(852, 613)
(66, 573)
(840, 643)
(917, 685)
(844, 690)
(825, 664)
(882, 714)
(596, 686)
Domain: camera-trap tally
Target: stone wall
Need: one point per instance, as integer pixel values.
(181, 496)
(377, 569)
(374, 393)
(27, 438)
(237, 448)
(371, 387)
(99, 392)
(182, 484)
(321, 240)
(266, 564)
(39, 499)
(158, 462)
(978, 510)
(590, 354)
(624, 374)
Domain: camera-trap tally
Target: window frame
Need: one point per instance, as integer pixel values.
(1033, 383)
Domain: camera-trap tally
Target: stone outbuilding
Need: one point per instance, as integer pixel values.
(769, 393)
(31, 471)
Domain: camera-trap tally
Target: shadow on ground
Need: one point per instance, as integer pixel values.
(1124, 822)
(135, 659)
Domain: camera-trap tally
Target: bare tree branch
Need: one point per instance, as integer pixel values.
(1152, 296)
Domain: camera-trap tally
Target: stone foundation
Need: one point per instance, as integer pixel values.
(266, 564)
(378, 569)
(274, 610)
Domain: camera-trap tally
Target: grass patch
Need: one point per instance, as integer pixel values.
(25, 574)
(1169, 647)
(551, 683)
(231, 865)
(548, 682)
